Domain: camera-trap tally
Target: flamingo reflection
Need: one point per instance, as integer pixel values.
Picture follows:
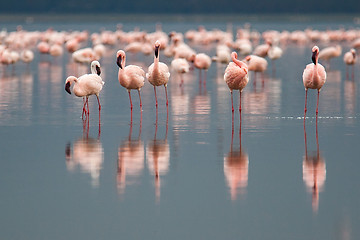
(87, 153)
(314, 171)
(236, 166)
(158, 156)
(131, 156)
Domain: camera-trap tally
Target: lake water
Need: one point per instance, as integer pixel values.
(186, 172)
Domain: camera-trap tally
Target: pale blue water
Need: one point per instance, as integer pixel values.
(59, 182)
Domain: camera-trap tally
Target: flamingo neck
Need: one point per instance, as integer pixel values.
(239, 63)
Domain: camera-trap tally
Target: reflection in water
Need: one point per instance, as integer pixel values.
(87, 153)
(131, 157)
(158, 156)
(314, 171)
(236, 166)
(350, 94)
(332, 96)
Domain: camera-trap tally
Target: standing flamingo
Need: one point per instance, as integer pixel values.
(201, 61)
(236, 77)
(350, 59)
(158, 73)
(314, 77)
(86, 85)
(131, 76)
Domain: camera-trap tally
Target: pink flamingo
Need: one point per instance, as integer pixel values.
(158, 73)
(314, 77)
(131, 76)
(87, 85)
(201, 61)
(350, 59)
(236, 77)
(181, 66)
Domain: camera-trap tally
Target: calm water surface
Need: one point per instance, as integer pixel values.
(186, 172)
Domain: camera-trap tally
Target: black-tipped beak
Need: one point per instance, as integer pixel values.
(68, 151)
(313, 58)
(118, 61)
(98, 70)
(67, 87)
(156, 52)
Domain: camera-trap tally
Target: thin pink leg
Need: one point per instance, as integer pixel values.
(99, 103)
(87, 103)
(84, 110)
(317, 105)
(240, 103)
(232, 102)
(156, 104)
(140, 99)
(305, 109)
(131, 106)
(182, 80)
(167, 102)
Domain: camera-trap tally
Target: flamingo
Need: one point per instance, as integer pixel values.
(314, 77)
(201, 61)
(158, 73)
(330, 52)
(256, 64)
(236, 77)
(131, 76)
(181, 66)
(350, 59)
(87, 85)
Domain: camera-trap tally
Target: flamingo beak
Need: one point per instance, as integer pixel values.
(118, 61)
(67, 87)
(68, 151)
(313, 58)
(98, 70)
(156, 51)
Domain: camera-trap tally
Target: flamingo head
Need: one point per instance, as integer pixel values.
(95, 67)
(234, 55)
(353, 52)
(68, 83)
(315, 51)
(248, 58)
(120, 55)
(157, 46)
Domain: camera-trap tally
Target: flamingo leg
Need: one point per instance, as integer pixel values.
(240, 103)
(87, 104)
(131, 106)
(317, 104)
(182, 80)
(305, 109)
(140, 99)
(84, 110)
(156, 103)
(167, 102)
(232, 102)
(98, 102)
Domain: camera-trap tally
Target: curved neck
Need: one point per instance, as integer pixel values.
(238, 62)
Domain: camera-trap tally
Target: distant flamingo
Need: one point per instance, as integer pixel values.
(181, 66)
(256, 64)
(329, 53)
(27, 56)
(86, 85)
(201, 61)
(236, 77)
(314, 77)
(131, 76)
(350, 59)
(158, 73)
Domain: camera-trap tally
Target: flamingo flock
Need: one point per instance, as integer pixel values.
(243, 52)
